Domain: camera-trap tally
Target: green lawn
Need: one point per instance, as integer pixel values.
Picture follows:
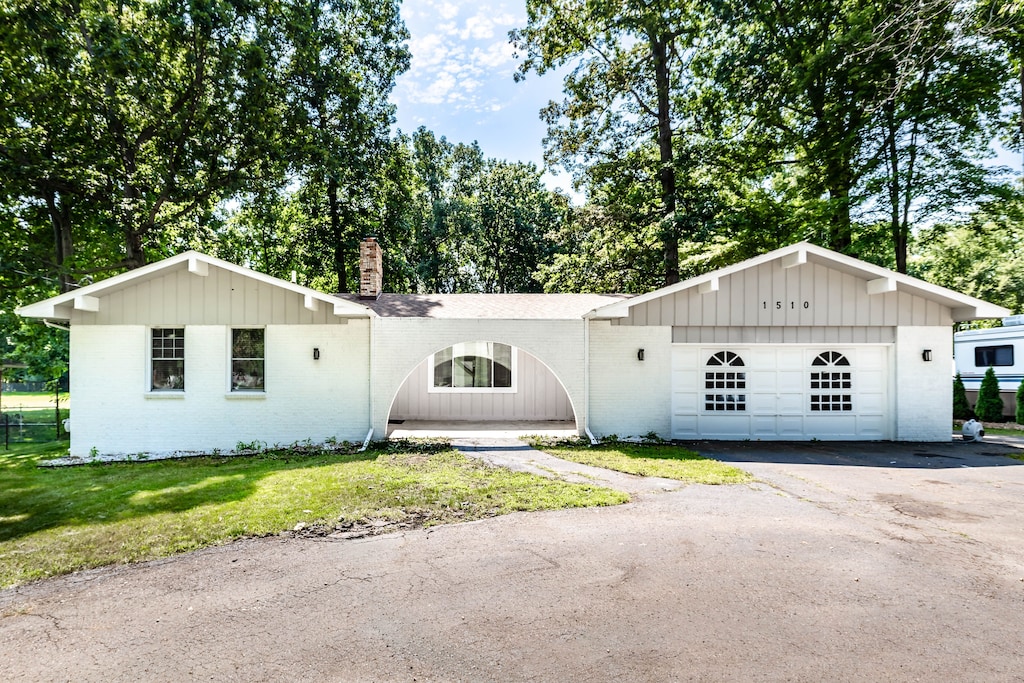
(58, 520)
(648, 460)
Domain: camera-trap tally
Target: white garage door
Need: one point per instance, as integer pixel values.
(780, 392)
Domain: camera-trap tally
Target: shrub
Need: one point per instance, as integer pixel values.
(1020, 403)
(961, 407)
(989, 407)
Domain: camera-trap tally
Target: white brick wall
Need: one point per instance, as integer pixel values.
(401, 344)
(305, 399)
(924, 390)
(629, 397)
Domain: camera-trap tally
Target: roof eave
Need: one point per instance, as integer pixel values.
(60, 307)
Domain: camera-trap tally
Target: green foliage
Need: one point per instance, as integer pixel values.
(983, 256)
(1019, 411)
(989, 406)
(961, 407)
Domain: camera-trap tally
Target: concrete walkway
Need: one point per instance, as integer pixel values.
(519, 456)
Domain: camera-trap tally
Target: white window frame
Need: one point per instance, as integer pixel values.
(244, 392)
(149, 388)
(725, 399)
(833, 374)
(514, 369)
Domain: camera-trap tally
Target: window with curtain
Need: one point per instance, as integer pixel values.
(473, 365)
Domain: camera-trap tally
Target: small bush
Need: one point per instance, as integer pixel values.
(989, 407)
(1020, 404)
(961, 407)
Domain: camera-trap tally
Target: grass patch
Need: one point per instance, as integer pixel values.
(647, 460)
(59, 520)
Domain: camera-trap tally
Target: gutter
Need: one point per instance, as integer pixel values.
(586, 382)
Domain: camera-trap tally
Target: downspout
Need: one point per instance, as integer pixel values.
(56, 326)
(369, 388)
(586, 382)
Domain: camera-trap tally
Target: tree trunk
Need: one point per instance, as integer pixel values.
(336, 237)
(60, 219)
(667, 172)
(838, 183)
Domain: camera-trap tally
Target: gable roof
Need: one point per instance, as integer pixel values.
(492, 306)
(878, 280)
(86, 298)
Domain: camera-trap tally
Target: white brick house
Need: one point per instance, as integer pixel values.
(194, 353)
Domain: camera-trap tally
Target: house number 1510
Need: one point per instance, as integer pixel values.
(779, 304)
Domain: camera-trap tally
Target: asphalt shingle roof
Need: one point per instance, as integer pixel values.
(495, 306)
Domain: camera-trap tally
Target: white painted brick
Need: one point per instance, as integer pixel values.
(629, 397)
(924, 390)
(304, 398)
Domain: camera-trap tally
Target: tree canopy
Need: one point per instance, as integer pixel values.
(699, 134)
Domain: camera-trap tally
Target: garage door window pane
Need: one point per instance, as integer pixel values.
(831, 378)
(717, 380)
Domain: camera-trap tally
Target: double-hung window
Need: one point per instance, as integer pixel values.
(248, 359)
(473, 366)
(167, 359)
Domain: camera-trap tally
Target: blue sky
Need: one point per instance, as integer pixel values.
(460, 83)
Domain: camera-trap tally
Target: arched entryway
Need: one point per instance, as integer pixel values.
(481, 386)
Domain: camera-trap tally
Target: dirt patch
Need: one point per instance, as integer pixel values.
(921, 509)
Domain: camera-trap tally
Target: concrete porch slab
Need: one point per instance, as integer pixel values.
(481, 429)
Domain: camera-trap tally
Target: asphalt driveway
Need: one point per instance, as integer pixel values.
(843, 562)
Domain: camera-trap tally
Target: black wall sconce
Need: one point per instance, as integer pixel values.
(926, 355)
(316, 353)
(640, 354)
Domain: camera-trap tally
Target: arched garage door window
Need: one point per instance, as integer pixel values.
(725, 389)
(831, 377)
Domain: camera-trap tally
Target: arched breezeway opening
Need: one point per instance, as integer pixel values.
(484, 388)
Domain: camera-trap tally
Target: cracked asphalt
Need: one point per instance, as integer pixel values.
(853, 562)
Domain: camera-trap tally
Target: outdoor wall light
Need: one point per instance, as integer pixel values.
(640, 354)
(926, 355)
(316, 353)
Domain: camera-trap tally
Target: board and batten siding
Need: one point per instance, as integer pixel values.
(810, 295)
(783, 335)
(221, 297)
(538, 396)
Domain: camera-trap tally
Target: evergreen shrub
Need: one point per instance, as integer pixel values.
(989, 407)
(961, 407)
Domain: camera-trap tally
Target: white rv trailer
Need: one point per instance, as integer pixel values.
(1002, 349)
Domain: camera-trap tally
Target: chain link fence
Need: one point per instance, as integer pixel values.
(33, 418)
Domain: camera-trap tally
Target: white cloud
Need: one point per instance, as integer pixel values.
(493, 56)
(462, 63)
(447, 10)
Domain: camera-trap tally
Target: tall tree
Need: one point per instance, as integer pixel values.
(138, 114)
(628, 60)
(344, 58)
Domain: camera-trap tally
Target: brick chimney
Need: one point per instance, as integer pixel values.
(371, 269)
